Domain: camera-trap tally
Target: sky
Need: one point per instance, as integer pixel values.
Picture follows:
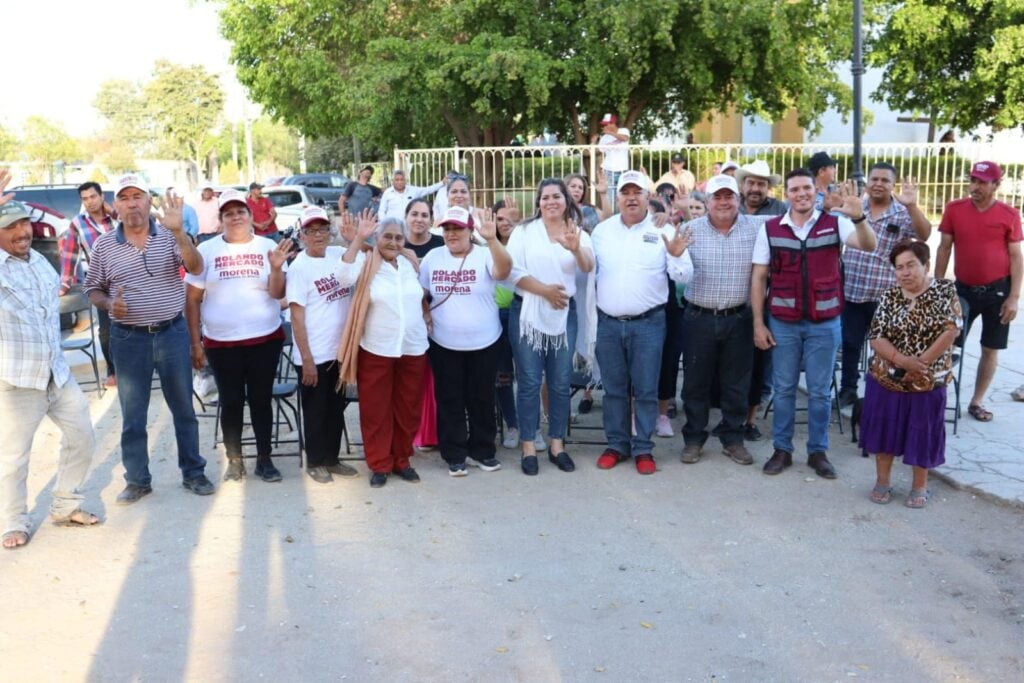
(68, 47)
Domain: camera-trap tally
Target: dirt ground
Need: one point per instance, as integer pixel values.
(706, 572)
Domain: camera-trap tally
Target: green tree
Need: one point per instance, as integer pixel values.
(8, 144)
(185, 103)
(960, 62)
(48, 144)
(439, 71)
(129, 121)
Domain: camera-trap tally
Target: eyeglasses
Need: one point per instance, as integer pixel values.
(322, 230)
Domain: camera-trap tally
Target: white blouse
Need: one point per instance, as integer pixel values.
(394, 321)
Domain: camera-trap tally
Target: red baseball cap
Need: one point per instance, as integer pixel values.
(988, 171)
(610, 118)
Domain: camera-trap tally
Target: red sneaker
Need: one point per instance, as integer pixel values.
(645, 464)
(609, 459)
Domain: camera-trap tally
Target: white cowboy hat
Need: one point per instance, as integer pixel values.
(757, 169)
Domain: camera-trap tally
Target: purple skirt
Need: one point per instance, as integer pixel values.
(904, 423)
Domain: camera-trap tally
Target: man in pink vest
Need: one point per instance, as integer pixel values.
(801, 251)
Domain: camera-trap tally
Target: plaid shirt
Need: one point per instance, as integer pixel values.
(75, 247)
(869, 273)
(720, 264)
(30, 351)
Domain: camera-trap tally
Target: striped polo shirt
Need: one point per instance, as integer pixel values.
(153, 288)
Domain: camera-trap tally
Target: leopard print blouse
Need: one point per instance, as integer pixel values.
(912, 325)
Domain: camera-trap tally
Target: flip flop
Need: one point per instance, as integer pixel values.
(77, 518)
(23, 535)
(918, 498)
(979, 413)
(881, 495)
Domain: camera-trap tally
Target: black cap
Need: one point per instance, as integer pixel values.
(820, 160)
(255, 186)
(677, 158)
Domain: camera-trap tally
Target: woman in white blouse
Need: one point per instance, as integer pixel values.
(383, 348)
(547, 252)
(460, 279)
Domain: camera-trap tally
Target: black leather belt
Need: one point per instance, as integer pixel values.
(149, 329)
(715, 311)
(640, 316)
(981, 289)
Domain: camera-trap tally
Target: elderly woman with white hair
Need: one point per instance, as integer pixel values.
(384, 344)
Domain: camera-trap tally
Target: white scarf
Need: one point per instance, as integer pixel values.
(540, 324)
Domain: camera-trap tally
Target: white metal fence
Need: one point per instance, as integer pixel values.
(941, 170)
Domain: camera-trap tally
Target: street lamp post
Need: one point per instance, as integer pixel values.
(857, 69)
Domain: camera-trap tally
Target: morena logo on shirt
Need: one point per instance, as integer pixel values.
(328, 288)
(238, 266)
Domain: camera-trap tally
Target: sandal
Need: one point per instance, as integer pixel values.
(77, 518)
(979, 413)
(918, 498)
(13, 540)
(881, 494)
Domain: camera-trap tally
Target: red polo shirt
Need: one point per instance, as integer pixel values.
(981, 239)
(260, 209)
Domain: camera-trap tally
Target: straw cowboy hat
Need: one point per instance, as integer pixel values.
(757, 169)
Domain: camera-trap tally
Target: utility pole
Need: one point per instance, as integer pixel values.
(857, 69)
(302, 153)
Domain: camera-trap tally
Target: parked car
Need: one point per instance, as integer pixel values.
(290, 201)
(63, 199)
(324, 188)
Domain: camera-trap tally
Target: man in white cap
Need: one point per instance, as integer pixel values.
(613, 143)
(134, 275)
(35, 381)
(716, 267)
(633, 257)
(319, 308)
(756, 181)
(209, 214)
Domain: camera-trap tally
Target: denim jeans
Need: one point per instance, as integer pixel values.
(554, 365)
(137, 354)
(718, 352)
(629, 353)
(810, 347)
(856, 321)
(23, 410)
(612, 178)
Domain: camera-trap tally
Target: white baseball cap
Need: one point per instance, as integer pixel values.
(457, 216)
(311, 214)
(228, 196)
(131, 180)
(721, 182)
(729, 165)
(633, 178)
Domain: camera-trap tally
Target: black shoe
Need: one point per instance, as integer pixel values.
(779, 461)
(408, 474)
(821, 466)
(529, 465)
(847, 397)
(585, 406)
(672, 412)
(320, 475)
(378, 479)
(562, 461)
(342, 470)
(236, 469)
(201, 486)
(267, 472)
(752, 433)
(132, 493)
(488, 465)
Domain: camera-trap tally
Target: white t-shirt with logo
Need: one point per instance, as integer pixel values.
(236, 276)
(468, 318)
(616, 151)
(313, 284)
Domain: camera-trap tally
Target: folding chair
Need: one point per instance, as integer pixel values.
(78, 303)
(834, 390)
(579, 381)
(958, 368)
(349, 395)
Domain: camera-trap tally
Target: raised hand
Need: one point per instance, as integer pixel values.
(485, 224)
(908, 192)
(602, 185)
(570, 237)
(279, 255)
(346, 226)
(171, 218)
(846, 201)
(5, 179)
(366, 225)
(679, 242)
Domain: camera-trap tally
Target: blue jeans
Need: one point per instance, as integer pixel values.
(629, 353)
(810, 347)
(554, 365)
(137, 354)
(612, 178)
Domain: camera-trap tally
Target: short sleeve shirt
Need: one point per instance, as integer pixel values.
(463, 309)
(980, 239)
(912, 329)
(313, 284)
(360, 197)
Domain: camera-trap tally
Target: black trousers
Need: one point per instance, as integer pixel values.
(675, 330)
(718, 353)
(321, 416)
(103, 320)
(464, 388)
(246, 374)
(856, 321)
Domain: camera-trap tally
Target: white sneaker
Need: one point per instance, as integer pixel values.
(539, 444)
(511, 439)
(663, 427)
